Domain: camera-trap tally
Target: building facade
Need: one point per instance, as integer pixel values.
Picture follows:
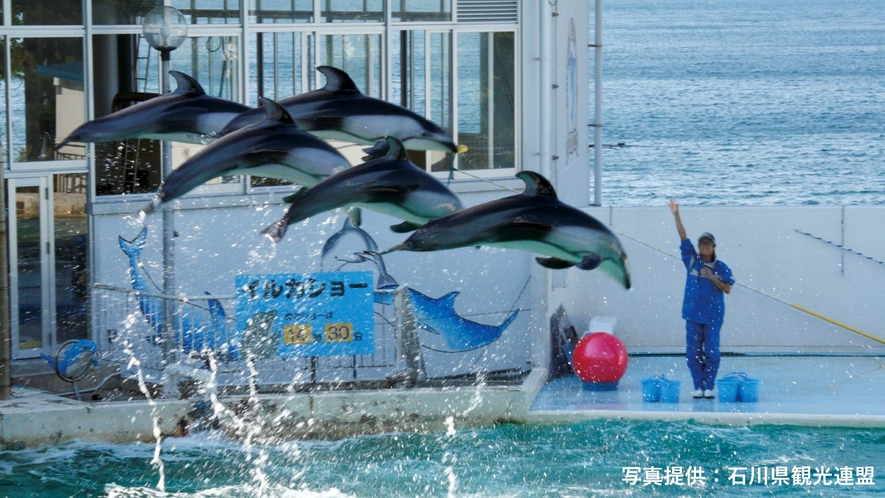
(506, 78)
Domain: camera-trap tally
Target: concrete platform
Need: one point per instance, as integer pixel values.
(802, 390)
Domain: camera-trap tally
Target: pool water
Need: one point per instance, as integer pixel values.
(594, 458)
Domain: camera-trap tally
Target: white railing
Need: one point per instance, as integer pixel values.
(128, 329)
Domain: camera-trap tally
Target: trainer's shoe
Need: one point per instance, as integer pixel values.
(697, 393)
(708, 393)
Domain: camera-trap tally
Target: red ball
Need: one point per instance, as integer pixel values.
(600, 357)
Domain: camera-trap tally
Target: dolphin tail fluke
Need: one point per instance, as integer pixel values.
(133, 247)
(276, 230)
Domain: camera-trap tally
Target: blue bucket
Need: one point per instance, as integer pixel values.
(651, 389)
(749, 390)
(669, 391)
(728, 388)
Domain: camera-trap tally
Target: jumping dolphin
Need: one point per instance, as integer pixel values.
(391, 184)
(185, 115)
(534, 221)
(340, 111)
(274, 147)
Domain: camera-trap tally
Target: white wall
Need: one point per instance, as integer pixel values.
(765, 252)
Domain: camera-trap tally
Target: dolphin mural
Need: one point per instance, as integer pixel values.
(390, 184)
(438, 316)
(434, 316)
(197, 333)
(535, 221)
(187, 114)
(340, 111)
(274, 147)
(349, 230)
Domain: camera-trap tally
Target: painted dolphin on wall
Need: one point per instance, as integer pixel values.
(340, 111)
(274, 147)
(391, 184)
(438, 316)
(197, 333)
(434, 316)
(187, 114)
(534, 220)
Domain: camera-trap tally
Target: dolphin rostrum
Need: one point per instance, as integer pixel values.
(274, 147)
(390, 184)
(534, 221)
(186, 115)
(340, 111)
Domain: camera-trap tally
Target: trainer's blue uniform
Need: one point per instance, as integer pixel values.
(703, 309)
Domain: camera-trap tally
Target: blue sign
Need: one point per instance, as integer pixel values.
(313, 314)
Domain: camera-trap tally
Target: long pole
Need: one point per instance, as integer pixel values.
(5, 326)
(168, 234)
(597, 107)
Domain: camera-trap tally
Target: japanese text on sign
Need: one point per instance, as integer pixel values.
(317, 314)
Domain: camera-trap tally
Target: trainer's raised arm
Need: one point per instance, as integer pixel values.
(674, 208)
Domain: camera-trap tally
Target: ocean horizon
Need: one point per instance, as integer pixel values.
(743, 103)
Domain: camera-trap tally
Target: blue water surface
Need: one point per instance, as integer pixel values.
(596, 458)
(749, 102)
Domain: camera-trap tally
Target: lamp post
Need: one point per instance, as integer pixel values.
(165, 29)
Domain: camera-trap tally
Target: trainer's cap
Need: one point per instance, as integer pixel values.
(707, 235)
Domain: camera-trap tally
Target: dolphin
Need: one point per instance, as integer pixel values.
(186, 115)
(438, 316)
(534, 220)
(340, 111)
(385, 280)
(390, 184)
(275, 147)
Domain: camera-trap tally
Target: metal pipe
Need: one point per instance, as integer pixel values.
(544, 56)
(168, 234)
(597, 107)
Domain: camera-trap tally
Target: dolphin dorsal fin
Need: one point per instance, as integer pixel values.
(395, 149)
(275, 112)
(449, 299)
(337, 80)
(186, 84)
(536, 184)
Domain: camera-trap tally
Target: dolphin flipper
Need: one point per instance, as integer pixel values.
(554, 263)
(405, 227)
(590, 262)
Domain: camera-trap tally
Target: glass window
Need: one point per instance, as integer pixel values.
(126, 12)
(47, 95)
(358, 55)
(421, 10)
(3, 136)
(441, 101)
(47, 12)
(281, 11)
(352, 11)
(486, 92)
(208, 11)
(71, 256)
(281, 65)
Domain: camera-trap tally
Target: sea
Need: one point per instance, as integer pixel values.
(743, 102)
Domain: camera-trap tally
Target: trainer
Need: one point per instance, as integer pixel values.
(703, 306)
